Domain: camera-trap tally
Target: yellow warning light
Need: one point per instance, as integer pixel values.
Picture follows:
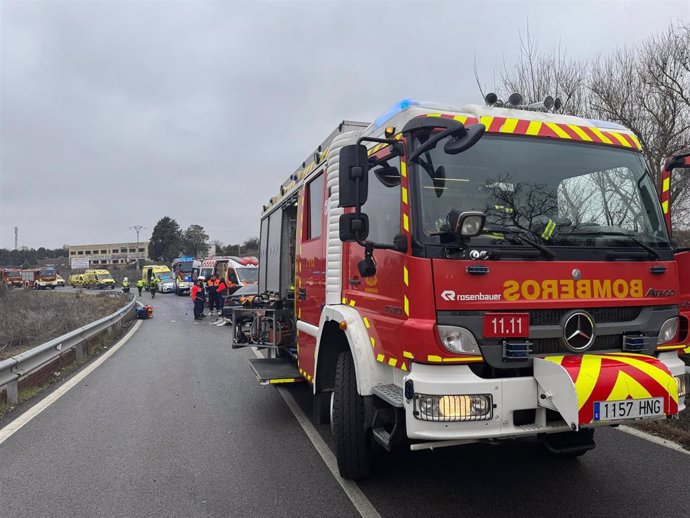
(390, 131)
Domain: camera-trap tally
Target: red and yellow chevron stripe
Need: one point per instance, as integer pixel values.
(548, 130)
(617, 377)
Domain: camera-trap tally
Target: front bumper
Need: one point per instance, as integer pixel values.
(520, 404)
(167, 288)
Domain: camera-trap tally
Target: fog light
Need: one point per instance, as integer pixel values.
(683, 384)
(668, 331)
(468, 407)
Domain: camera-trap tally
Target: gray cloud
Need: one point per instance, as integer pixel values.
(114, 113)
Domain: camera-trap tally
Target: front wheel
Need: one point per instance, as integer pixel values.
(349, 424)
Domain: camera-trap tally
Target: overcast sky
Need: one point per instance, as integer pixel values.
(117, 113)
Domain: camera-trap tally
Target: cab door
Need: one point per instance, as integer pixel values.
(310, 289)
(380, 299)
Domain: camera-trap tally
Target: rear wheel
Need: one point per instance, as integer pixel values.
(350, 426)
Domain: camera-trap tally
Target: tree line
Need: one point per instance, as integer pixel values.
(28, 257)
(169, 240)
(644, 87)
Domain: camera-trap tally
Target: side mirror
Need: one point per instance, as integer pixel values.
(459, 143)
(439, 180)
(354, 227)
(353, 179)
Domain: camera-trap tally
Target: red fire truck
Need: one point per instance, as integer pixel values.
(11, 276)
(447, 275)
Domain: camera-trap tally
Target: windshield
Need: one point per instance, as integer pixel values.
(248, 275)
(184, 267)
(104, 276)
(552, 192)
(13, 274)
(47, 272)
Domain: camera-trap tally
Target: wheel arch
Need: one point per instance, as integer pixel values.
(331, 340)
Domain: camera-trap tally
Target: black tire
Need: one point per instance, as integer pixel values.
(352, 432)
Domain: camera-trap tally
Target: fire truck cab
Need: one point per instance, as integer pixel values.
(11, 277)
(448, 275)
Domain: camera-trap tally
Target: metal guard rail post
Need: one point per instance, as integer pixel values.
(12, 370)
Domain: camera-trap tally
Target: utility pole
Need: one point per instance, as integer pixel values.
(16, 237)
(137, 229)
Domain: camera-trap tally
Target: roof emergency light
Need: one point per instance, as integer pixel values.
(515, 100)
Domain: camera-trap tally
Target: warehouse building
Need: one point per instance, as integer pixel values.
(109, 254)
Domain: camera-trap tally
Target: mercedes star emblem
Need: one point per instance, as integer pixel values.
(578, 331)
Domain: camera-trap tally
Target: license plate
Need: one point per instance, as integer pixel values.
(628, 409)
(506, 325)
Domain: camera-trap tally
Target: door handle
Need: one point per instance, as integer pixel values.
(302, 293)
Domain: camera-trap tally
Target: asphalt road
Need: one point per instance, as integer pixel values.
(175, 424)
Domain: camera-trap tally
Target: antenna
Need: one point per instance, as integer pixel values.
(16, 237)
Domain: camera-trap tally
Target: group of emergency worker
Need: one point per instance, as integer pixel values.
(215, 290)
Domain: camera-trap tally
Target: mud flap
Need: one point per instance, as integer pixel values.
(556, 390)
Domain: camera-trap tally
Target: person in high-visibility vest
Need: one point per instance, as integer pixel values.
(140, 285)
(199, 298)
(153, 286)
(221, 292)
(212, 287)
(125, 285)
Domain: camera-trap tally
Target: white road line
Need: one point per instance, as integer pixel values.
(39, 407)
(653, 438)
(365, 508)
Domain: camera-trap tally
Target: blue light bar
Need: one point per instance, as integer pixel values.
(394, 110)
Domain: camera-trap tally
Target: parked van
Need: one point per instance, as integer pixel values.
(236, 271)
(98, 279)
(76, 280)
(166, 283)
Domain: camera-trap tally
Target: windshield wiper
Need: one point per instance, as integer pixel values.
(520, 234)
(644, 245)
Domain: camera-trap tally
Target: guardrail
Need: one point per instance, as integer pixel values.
(14, 369)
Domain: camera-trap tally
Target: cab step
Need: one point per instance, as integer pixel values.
(272, 371)
(391, 394)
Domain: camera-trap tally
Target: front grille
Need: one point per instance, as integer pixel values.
(552, 317)
(555, 345)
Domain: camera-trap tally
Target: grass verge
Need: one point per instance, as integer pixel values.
(29, 318)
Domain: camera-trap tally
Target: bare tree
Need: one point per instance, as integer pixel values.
(644, 87)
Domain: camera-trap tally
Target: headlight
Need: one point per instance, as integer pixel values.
(458, 340)
(683, 384)
(668, 331)
(467, 407)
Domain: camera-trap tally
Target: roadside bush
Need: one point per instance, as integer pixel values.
(29, 318)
